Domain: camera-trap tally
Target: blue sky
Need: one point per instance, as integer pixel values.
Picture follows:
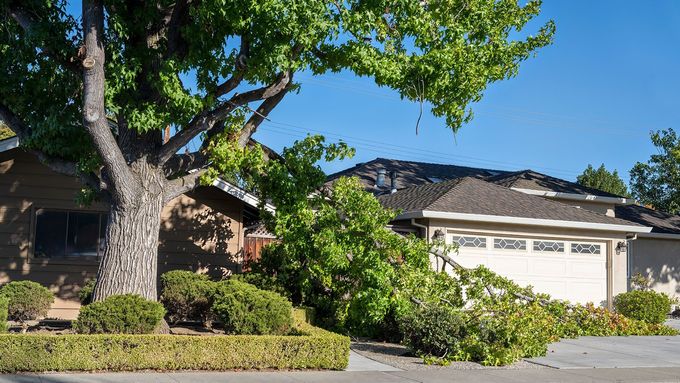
(611, 76)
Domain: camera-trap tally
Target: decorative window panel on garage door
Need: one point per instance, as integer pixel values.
(574, 270)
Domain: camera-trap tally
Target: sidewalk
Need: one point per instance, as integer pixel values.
(472, 376)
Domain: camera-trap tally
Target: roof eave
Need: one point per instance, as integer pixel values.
(241, 194)
(524, 221)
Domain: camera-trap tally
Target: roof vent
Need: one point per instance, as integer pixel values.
(393, 181)
(380, 180)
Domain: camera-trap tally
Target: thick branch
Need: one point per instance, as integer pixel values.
(207, 120)
(179, 186)
(94, 113)
(258, 117)
(183, 163)
(58, 165)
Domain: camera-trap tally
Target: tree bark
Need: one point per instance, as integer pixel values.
(130, 261)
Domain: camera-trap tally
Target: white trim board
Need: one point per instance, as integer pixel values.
(9, 144)
(524, 221)
(576, 197)
(241, 194)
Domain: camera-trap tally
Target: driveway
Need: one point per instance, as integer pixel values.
(613, 352)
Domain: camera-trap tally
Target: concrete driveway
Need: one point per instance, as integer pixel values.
(613, 352)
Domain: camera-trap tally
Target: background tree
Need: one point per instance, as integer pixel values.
(93, 98)
(657, 182)
(603, 179)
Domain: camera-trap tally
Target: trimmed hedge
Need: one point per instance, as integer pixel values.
(4, 305)
(647, 306)
(313, 348)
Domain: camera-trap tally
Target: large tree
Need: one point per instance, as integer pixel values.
(657, 181)
(603, 179)
(93, 98)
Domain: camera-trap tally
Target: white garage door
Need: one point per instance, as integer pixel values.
(571, 270)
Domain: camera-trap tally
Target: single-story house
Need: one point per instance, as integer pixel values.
(573, 242)
(46, 237)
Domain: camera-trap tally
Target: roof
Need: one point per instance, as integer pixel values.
(473, 196)
(411, 173)
(662, 223)
(529, 179)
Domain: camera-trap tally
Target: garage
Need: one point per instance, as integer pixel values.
(573, 270)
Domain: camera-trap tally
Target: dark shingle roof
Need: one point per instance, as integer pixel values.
(474, 196)
(529, 179)
(660, 222)
(410, 173)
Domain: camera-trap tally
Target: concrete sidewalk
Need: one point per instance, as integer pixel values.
(472, 376)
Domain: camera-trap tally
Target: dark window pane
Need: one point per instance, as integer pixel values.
(50, 233)
(83, 234)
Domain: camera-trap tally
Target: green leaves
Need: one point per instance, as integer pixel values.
(602, 179)
(657, 182)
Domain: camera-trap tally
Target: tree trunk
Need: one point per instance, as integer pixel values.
(130, 261)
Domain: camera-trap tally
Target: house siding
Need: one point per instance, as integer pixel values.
(659, 260)
(200, 231)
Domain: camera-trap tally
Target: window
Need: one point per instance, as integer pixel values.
(585, 248)
(479, 242)
(549, 246)
(60, 233)
(509, 244)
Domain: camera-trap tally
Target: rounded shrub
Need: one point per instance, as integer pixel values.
(187, 295)
(120, 314)
(27, 300)
(245, 309)
(647, 306)
(86, 292)
(433, 330)
(4, 305)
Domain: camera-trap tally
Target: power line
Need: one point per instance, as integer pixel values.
(381, 147)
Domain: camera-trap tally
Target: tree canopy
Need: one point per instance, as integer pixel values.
(657, 181)
(93, 94)
(603, 179)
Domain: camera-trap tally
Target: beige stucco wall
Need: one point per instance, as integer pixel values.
(659, 260)
(201, 230)
(618, 267)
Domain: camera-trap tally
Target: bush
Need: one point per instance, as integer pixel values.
(313, 348)
(27, 300)
(647, 306)
(433, 330)
(86, 292)
(120, 314)
(187, 295)
(4, 305)
(245, 309)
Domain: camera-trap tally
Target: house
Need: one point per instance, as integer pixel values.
(46, 237)
(573, 242)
